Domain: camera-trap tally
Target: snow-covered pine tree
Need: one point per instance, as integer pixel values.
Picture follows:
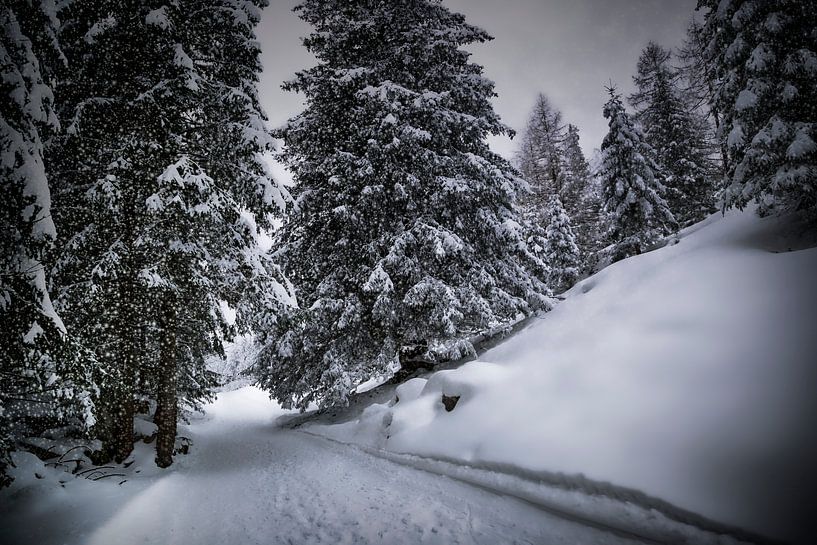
(579, 195)
(231, 140)
(676, 136)
(540, 157)
(103, 167)
(562, 253)
(764, 59)
(40, 377)
(636, 211)
(211, 204)
(96, 194)
(405, 237)
(163, 214)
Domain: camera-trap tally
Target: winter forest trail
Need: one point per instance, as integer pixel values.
(247, 481)
(250, 482)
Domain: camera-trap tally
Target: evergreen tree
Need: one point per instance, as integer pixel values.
(678, 138)
(598, 238)
(763, 56)
(636, 211)
(116, 105)
(41, 381)
(560, 248)
(405, 237)
(580, 196)
(231, 197)
(163, 215)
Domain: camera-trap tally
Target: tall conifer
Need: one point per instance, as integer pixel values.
(636, 211)
(763, 56)
(676, 135)
(405, 237)
(41, 379)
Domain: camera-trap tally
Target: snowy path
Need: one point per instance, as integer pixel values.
(252, 483)
(248, 482)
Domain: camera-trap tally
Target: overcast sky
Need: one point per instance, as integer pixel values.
(567, 49)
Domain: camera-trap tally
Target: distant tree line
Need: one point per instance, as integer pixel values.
(726, 120)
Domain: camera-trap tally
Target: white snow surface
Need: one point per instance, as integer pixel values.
(247, 481)
(680, 372)
(687, 373)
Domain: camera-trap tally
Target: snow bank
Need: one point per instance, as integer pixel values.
(687, 373)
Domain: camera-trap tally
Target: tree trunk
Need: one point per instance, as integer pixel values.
(118, 409)
(157, 416)
(128, 335)
(107, 425)
(166, 408)
(123, 430)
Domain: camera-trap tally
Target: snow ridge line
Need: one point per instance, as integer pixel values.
(624, 512)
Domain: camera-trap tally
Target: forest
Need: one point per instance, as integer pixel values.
(149, 255)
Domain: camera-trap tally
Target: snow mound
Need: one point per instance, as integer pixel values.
(687, 373)
(411, 389)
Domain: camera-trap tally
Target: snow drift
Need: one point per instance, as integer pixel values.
(687, 373)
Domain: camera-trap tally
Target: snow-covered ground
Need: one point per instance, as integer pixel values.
(680, 373)
(687, 373)
(247, 481)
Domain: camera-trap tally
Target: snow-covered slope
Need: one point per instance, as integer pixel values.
(688, 373)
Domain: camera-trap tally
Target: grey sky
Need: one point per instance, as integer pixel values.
(567, 49)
